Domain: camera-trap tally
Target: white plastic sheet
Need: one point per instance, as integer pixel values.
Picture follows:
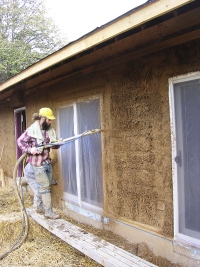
(82, 159)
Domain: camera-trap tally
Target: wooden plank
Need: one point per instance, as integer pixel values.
(116, 27)
(99, 250)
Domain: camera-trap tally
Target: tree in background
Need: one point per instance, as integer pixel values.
(26, 35)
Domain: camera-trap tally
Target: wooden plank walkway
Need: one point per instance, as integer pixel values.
(97, 249)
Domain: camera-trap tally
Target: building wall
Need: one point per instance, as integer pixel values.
(7, 139)
(138, 187)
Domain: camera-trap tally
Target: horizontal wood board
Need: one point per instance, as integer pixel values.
(92, 246)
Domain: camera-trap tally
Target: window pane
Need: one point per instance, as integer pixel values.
(187, 108)
(90, 153)
(66, 122)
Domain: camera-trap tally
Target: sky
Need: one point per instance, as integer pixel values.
(76, 18)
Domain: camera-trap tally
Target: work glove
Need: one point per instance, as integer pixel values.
(57, 146)
(34, 150)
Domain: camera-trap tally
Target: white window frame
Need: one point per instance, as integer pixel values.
(182, 78)
(66, 196)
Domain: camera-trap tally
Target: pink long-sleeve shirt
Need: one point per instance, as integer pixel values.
(26, 142)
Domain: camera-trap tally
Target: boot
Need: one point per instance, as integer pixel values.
(49, 214)
(40, 209)
(38, 203)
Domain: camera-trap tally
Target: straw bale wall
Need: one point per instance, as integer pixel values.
(136, 139)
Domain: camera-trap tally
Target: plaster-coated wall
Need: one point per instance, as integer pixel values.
(136, 137)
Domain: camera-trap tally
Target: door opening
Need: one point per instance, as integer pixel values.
(185, 94)
(20, 127)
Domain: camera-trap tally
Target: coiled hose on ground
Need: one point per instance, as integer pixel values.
(24, 231)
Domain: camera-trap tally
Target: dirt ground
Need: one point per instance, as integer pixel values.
(43, 249)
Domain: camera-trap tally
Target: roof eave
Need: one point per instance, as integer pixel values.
(121, 24)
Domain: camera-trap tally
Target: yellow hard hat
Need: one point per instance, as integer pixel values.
(47, 112)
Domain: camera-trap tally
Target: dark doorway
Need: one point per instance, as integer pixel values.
(20, 127)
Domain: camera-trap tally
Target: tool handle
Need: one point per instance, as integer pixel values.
(64, 141)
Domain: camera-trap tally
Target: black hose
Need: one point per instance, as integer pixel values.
(24, 231)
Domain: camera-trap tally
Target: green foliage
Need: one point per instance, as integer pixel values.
(26, 35)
